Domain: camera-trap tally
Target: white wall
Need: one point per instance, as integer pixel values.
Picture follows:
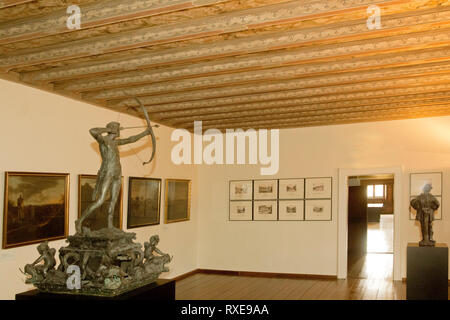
(311, 247)
(43, 132)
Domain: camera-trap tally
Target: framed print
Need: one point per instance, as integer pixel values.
(318, 188)
(291, 189)
(241, 190)
(36, 208)
(318, 210)
(265, 189)
(437, 213)
(241, 210)
(419, 180)
(178, 200)
(144, 202)
(99, 218)
(265, 210)
(290, 210)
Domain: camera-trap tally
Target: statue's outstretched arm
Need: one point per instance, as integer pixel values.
(133, 138)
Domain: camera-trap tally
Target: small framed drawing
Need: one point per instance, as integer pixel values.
(99, 218)
(290, 210)
(265, 189)
(318, 210)
(318, 188)
(419, 180)
(241, 210)
(291, 189)
(241, 190)
(177, 200)
(36, 208)
(265, 210)
(437, 213)
(144, 202)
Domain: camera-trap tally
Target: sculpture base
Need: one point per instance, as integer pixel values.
(427, 272)
(158, 290)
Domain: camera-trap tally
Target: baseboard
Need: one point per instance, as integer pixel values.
(268, 274)
(185, 275)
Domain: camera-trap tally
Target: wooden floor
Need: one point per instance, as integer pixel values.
(380, 235)
(224, 287)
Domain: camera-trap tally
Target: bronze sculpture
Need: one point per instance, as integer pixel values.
(107, 262)
(425, 204)
(110, 174)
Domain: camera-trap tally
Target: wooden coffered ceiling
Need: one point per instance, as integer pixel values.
(236, 63)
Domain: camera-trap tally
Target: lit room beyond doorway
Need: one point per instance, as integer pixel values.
(371, 227)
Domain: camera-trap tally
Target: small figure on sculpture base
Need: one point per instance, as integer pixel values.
(425, 205)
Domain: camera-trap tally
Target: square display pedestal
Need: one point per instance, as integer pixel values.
(427, 272)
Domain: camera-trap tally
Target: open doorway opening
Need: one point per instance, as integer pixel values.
(370, 227)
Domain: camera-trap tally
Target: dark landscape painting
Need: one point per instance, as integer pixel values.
(178, 196)
(144, 199)
(36, 208)
(99, 218)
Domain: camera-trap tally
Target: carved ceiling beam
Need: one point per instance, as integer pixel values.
(303, 110)
(287, 73)
(192, 108)
(330, 119)
(397, 24)
(93, 15)
(293, 112)
(10, 3)
(276, 90)
(345, 120)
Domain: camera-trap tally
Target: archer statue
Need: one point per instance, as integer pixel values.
(109, 177)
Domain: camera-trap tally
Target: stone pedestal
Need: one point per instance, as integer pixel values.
(427, 272)
(163, 290)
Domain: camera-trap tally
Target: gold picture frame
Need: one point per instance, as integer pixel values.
(180, 199)
(38, 203)
(87, 198)
(141, 207)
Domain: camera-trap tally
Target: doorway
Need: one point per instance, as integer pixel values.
(370, 226)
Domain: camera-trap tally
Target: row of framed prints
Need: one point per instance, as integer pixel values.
(283, 200)
(281, 210)
(283, 189)
(416, 183)
(36, 205)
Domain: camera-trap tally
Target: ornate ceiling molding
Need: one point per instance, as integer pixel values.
(273, 91)
(93, 15)
(212, 106)
(379, 114)
(253, 44)
(271, 74)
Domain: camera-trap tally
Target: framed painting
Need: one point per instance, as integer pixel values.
(36, 208)
(419, 180)
(177, 200)
(265, 189)
(318, 210)
(290, 210)
(99, 218)
(291, 189)
(241, 190)
(437, 213)
(241, 210)
(265, 210)
(318, 188)
(144, 202)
